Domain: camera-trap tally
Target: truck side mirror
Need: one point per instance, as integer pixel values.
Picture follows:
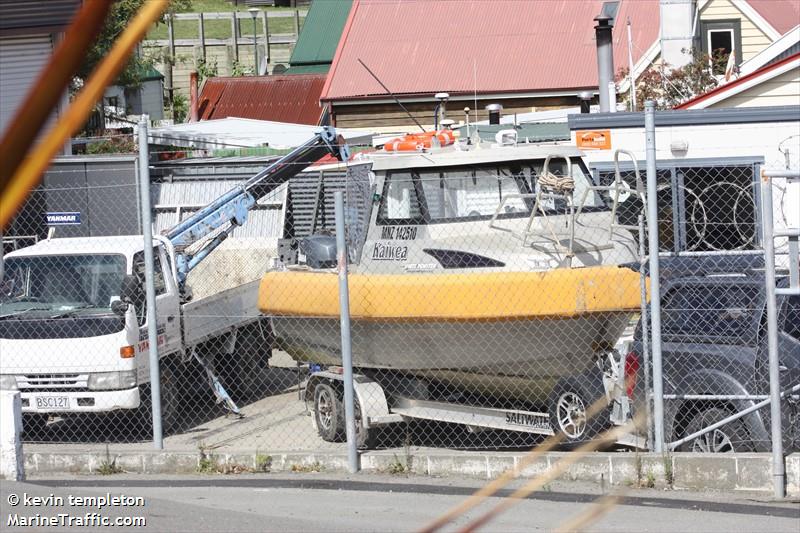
(118, 307)
(131, 289)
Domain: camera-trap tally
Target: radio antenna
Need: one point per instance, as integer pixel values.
(392, 95)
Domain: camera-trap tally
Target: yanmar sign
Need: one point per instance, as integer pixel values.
(72, 218)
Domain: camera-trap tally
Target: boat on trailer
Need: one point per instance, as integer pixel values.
(496, 268)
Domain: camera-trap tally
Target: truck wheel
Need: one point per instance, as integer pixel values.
(330, 418)
(732, 437)
(170, 402)
(569, 402)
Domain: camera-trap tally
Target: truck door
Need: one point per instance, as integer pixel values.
(167, 302)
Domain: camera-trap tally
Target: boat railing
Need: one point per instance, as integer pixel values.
(553, 187)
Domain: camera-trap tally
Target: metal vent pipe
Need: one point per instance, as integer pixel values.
(494, 113)
(605, 58)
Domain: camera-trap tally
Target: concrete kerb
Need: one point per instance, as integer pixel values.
(725, 472)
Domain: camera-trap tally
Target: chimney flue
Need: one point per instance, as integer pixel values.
(605, 57)
(494, 113)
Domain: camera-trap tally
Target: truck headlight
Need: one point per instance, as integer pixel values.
(124, 379)
(8, 382)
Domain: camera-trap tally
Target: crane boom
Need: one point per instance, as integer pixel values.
(231, 209)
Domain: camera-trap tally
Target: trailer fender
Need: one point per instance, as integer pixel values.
(369, 395)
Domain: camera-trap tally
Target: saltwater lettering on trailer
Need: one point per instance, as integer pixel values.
(389, 252)
(526, 419)
(399, 233)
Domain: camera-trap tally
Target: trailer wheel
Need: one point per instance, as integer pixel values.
(329, 413)
(569, 402)
(330, 418)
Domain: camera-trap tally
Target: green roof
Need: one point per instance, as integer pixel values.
(321, 31)
(151, 74)
(533, 132)
(308, 69)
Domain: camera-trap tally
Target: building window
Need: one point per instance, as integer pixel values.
(719, 39)
(720, 46)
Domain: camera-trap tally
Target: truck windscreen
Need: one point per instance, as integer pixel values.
(55, 286)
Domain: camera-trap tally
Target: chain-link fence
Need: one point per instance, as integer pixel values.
(493, 298)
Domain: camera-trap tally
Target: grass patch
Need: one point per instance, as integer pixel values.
(108, 466)
(316, 466)
(221, 29)
(397, 467)
(263, 463)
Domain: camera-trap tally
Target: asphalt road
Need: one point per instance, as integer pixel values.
(330, 503)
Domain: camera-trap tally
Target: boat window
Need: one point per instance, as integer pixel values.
(400, 200)
(470, 193)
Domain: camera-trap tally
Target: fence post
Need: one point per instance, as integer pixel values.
(235, 33)
(265, 18)
(202, 30)
(296, 24)
(778, 467)
(655, 288)
(147, 231)
(347, 356)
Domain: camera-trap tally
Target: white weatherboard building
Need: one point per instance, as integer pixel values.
(709, 162)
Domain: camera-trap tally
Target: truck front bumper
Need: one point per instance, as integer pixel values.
(80, 402)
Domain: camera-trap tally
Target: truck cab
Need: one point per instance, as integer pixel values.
(73, 331)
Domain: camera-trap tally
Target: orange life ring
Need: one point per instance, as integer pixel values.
(416, 142)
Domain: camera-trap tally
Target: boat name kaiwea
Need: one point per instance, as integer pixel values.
(399, 233)
(389, 252)
(527, 419)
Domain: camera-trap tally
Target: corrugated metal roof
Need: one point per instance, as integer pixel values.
(16, 15)
(472, 45)
(320, 34)
(293, 99)
(783, 15)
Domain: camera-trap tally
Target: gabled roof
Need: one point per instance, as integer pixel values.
(513, 46)
(322, 28)
(782, 15)
(742, 84)
(293, 98)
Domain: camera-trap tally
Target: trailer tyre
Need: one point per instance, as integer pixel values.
(330, 418)
(569, 403)
(329, 413)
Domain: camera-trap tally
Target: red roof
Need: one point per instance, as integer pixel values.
(783, 15)
(461, 46)
(689, 104)
(290, 98)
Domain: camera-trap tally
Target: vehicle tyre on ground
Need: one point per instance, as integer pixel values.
(732, 437)
(569, 402)
(330, 417)
(170, 402)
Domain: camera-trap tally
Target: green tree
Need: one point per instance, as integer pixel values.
(120, 15)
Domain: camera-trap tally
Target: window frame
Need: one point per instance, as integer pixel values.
(524, 183)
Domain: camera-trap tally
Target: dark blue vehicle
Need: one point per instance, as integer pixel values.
(714, 343)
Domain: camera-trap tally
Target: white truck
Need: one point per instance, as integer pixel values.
(73, 329)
